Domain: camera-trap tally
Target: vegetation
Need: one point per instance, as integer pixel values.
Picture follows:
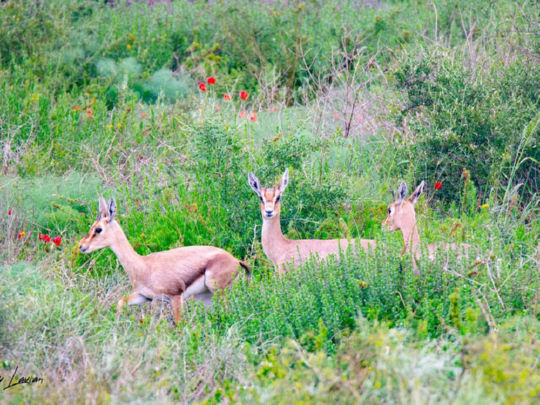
(143, 102)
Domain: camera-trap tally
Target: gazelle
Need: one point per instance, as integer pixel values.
(279, 249)
(401, 216)
(173, 275)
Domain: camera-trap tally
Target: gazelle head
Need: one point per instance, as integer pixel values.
(269, 196)
(401, 212)
(101, 232)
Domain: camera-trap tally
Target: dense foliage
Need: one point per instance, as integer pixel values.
(168, 105)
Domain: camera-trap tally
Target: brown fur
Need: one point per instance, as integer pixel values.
(162, 275)
(285, 252)
(401, 216)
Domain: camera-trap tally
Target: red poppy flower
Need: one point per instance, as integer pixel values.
(9, 212)
(244, 95)
(242, 114)
(336, 116)
(211, 80)
(57, 240)
(202, 86)
(226, 97)
(438, 185)
(253, 116)
(44, 238)
(89, 111)
(21, 234)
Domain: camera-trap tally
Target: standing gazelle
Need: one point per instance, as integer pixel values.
(401, 216)
(173, 275)
(281, 250)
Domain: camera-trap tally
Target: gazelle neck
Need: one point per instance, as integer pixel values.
(411, 239)
(272, 239)
(130, 260)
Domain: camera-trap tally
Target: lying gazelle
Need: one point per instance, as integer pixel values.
(280, 250)
(173, 275)
(401, 216)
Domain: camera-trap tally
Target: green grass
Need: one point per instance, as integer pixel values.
(104, 101)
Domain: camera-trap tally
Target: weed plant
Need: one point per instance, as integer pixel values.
(98, 99)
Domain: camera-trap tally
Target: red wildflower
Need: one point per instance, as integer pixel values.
(89, 111)
(438, 185)
(9, 212)
(21, 234)
(274, 109)
(57, 240)
(244, 95)
(44, 238)
(253, 116)
(242, 114)
(211, 80)
(202, 86)
(226, 97)
(336, 116)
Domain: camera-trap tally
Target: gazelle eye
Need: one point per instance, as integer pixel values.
(261, 199)
(389, 211)
(278, 197)
(98, 230)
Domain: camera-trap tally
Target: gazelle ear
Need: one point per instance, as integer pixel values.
(254, 183)
(417, 193)
(402, 191)
(103, 208)
(112, 209)
(284, 181)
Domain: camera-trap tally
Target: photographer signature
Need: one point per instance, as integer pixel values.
(19, 380)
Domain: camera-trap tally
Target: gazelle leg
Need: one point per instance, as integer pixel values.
(415, 267)
(280, 269)
(177, 303)
(131, 299)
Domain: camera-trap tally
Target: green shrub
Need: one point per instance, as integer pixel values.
(484, 122)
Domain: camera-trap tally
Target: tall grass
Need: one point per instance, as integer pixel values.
(100, 100)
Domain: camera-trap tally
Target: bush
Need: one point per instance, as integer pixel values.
(484, 122)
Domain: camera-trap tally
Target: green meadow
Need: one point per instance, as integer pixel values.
(167, 106)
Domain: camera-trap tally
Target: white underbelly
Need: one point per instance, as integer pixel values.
(195, 288)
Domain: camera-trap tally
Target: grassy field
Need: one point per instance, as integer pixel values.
(352, 97)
